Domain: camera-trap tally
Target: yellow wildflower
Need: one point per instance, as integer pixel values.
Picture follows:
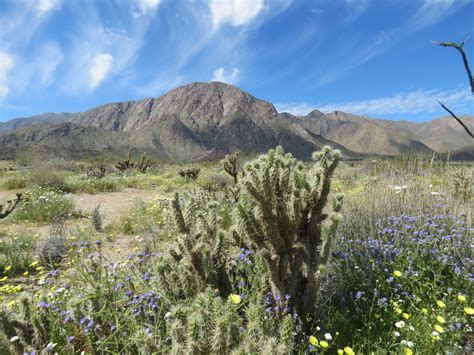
(440, 319)
(407, 351)
(440, 304)
(425, 311)
(8, 268)
(397, 273)
(469, 310)
(348, 350)
(25, 273)
(33, 264)
(235, 299)
(461, 298)
(5, 278)
(405, 315)
(324, 344)
(340, 352)
(398, 310)
(438, 328)
(313, 340)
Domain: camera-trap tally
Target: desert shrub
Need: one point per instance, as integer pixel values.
(48, 178)
(97, 219)
(144, 217)
(17, 251)
(42, 205)
(13, 180)
(82, 183)
(462, 185)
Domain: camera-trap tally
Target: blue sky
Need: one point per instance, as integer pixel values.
(370, 57)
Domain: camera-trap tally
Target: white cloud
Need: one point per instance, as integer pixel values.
(356, 9)
(6, 64)
(229, 77)
(47, 5)
(48, 60)
(415, 102)
(101, 65)
(235, 12)
(143, 7)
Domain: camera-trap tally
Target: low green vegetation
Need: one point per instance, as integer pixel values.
(263, 257)
(43, 205)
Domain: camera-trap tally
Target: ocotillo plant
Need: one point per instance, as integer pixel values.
(282, 216)
(4, 212)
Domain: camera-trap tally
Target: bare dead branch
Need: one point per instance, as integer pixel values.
(460, 48)
(457, 119)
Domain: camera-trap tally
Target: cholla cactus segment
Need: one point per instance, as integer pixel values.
(10, 206)
(230, 163)
(282, 219)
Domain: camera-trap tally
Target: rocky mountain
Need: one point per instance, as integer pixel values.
(378, 136)
(194, 122)
(202, 121)
(48, 117)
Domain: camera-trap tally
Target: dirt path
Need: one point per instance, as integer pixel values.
(112, 204)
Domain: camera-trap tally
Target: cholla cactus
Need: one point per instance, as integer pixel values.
(282, 218)
(11, 204)
(199, 257)
(230, 163)
(190, 173)
(144, 163)
(126, 164)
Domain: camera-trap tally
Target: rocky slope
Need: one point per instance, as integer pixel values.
(377, 136)
(193, 122)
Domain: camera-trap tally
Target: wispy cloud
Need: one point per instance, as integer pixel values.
(142, 7)
(359, 51)
(101, 65)
(235, 12)
(229, 77)
(48, 60)
(6, 64)
(411, 103)
(356, 8)
(295, 108)
(45, 6)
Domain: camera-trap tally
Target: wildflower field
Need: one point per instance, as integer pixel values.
(267, 255)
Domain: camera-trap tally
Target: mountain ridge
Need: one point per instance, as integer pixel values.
(201, 121)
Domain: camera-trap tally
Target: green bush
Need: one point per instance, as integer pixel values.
(43, 205)
(47, 177)
(13, 180)
(17, 252)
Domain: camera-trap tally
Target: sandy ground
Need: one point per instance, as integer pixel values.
(112, 204)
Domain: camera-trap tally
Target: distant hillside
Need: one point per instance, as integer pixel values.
(202, 121)
(193, 122)
(377, 136)
(49, 117)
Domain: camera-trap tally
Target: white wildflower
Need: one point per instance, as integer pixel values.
(400, 324)
(15, 338)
